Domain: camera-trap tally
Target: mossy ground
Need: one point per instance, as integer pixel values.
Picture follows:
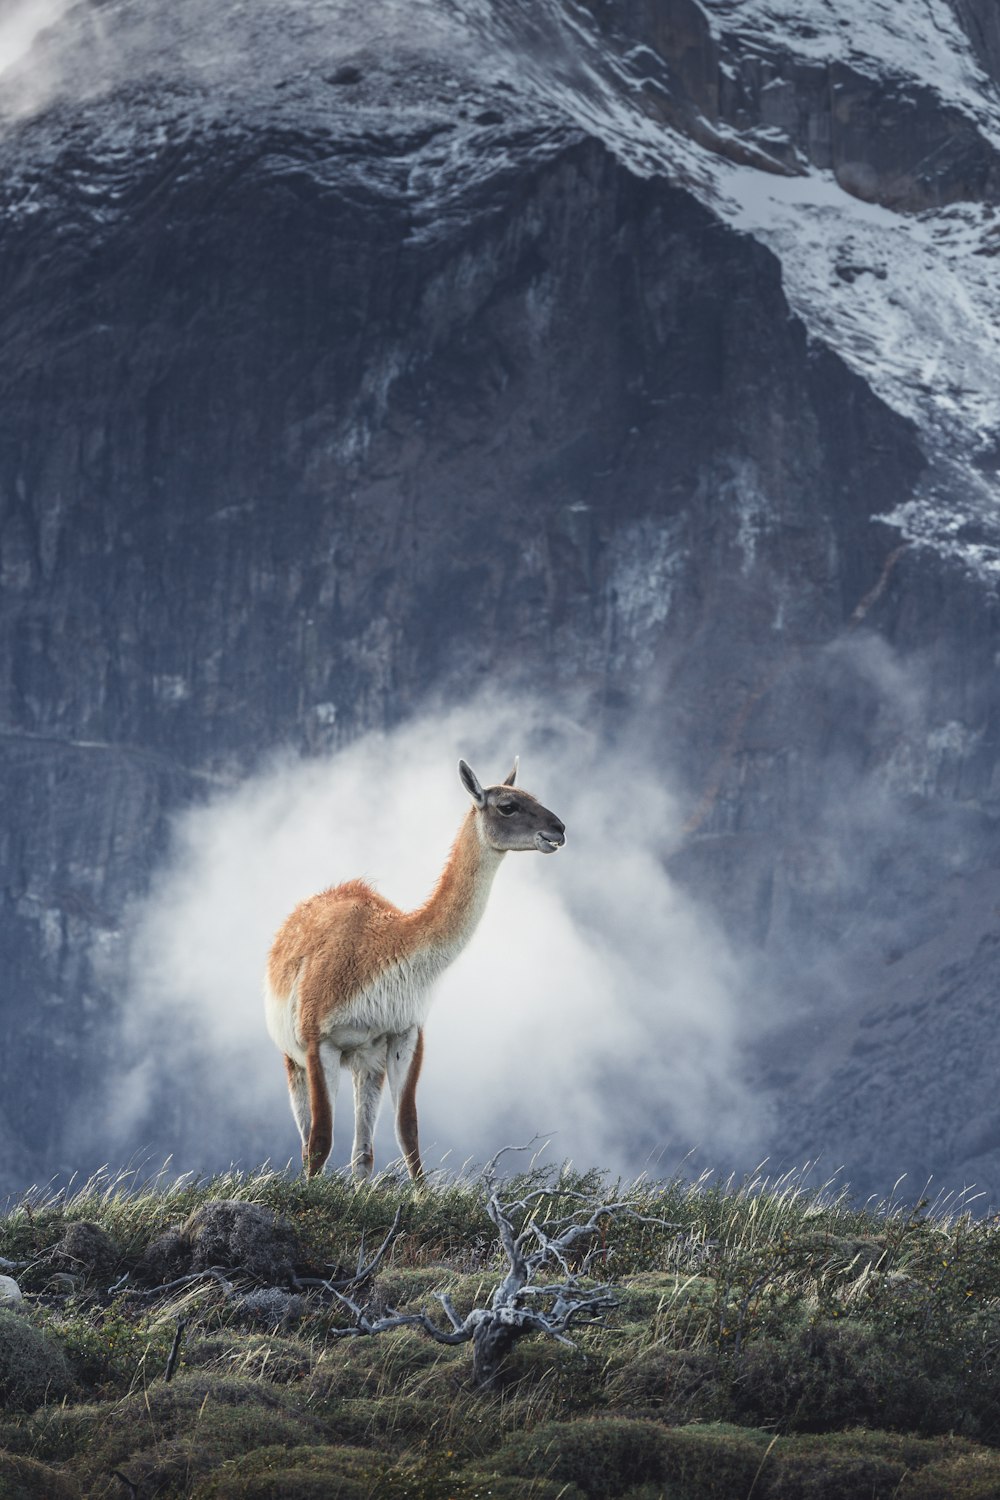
(769, 1343)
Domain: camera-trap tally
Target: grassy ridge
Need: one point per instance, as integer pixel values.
(770, 1343)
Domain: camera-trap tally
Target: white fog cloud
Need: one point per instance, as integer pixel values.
(21, 24)
(594, 1001)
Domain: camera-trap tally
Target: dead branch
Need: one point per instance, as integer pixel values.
(365, 1271)
(175, 1350)
(211, 1273)
(520, 1304)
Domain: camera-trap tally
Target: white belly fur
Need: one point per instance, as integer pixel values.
(280, 1015)
(398, 999)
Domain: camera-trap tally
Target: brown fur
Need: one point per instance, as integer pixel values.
(340, 940)
(406, 1114)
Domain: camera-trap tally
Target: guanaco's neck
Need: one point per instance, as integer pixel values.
(451, 913)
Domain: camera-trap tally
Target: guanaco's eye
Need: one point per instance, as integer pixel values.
(507, 808)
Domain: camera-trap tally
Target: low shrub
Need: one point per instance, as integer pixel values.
(107, 1350)
(843, 1374)
(349, 1473)
(703, 1460)
(270, 1357)
(33, 1368)
(749, 1304)
(387, 1422)
(572, 1378)
(411, 1288)
(475, 1484)
(54, 1434)
(643, 1296)
(267, 1308)
(87, 1253)
(832, 1476)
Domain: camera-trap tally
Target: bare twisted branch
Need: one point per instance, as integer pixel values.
(519, 1304)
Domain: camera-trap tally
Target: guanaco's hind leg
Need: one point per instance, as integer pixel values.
(322, 1078)
(406, 1053)
(298, 1093)
(368, 1069)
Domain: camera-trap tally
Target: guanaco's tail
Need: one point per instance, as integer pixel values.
(320, 1113)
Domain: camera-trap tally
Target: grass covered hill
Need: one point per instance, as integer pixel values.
(767, 1343)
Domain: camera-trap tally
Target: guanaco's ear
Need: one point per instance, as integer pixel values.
(509, 781)
(471, 783)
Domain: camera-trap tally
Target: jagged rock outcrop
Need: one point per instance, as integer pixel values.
(981, 22)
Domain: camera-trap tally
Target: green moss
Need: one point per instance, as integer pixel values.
(714, 1458)
(258, 1356)
(349, 1473)
(603, 1457)
(653, 1294)
(841, 1466)
(864, 1465)
(610, 1456)
(293, 1473)
(389, 1363)
(29, 1479)
(388, 1423)
(572, 1379)
(411, 1287)
(841, 1374)
(161, 1436)
(964, 1476)
(758, 1305)
(676, 1385)
(52, 1433)
(477, 1484)
(33, 1368)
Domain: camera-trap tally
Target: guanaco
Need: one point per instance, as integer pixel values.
(349, 975)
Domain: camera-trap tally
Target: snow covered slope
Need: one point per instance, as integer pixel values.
(762, 108)
(905, 289)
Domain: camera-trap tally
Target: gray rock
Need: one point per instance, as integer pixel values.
(86, 1250)
(242, 1238)
(269, 1308)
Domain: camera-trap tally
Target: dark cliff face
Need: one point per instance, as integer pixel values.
(272, 456)
(309, 415)
(981, 22)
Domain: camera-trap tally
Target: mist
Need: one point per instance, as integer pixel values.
(596, 1004)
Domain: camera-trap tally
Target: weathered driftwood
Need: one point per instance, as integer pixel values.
(520, 1304)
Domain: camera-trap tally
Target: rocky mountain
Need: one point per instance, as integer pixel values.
(641, 355)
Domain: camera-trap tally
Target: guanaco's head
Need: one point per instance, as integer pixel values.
(512, 819)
